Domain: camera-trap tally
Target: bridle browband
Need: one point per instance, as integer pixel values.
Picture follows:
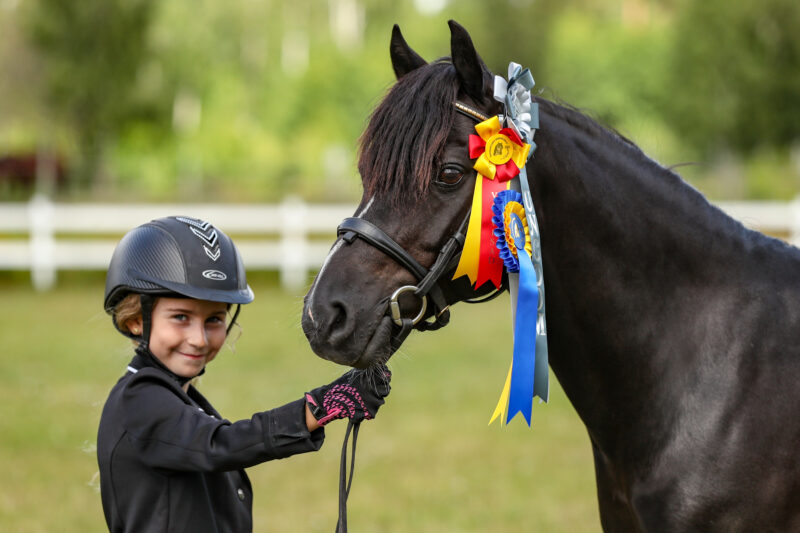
(471, 112)
(428, 279)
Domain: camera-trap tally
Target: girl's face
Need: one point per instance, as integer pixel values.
(187, 334)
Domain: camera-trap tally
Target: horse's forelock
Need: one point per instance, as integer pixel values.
(407, 131)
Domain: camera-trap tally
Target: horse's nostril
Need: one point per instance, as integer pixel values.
(339, 316)
(339, 322)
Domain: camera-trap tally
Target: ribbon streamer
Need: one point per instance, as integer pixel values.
(514, 245)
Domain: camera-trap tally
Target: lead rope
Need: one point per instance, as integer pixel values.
(346, 481)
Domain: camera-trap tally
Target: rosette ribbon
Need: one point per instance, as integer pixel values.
(522, 112)
(529, 372)
(500, 153)
(515, 248)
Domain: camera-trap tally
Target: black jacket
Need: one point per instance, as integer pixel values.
(170, 463)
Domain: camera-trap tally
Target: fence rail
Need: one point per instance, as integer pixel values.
(43, 237)
(292, 237)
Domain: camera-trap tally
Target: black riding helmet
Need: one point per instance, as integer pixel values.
(175, 256)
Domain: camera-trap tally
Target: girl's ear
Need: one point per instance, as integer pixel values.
(134, 325)
(404, 59)
(473, 75)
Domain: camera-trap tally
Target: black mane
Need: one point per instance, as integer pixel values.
(407, 130)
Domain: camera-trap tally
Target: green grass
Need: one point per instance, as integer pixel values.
(428, 463)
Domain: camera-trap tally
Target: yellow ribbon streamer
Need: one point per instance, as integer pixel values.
(501, 409)
(468, 265)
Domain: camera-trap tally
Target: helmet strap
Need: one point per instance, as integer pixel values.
(147, 302)
(233, 320)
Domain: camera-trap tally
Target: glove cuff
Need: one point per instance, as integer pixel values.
(318, 411)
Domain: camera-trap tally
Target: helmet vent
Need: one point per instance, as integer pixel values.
(206, 233)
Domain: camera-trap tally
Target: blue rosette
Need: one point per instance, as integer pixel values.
(511, 226)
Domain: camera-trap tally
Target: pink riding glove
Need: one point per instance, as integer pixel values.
(357, 395)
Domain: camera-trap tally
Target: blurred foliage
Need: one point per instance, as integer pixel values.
(90, 52)
(253, 100)
(745, 74)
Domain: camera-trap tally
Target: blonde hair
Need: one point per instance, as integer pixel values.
(129, 308)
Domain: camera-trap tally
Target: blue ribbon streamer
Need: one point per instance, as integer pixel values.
(542, 384)
(524, 362)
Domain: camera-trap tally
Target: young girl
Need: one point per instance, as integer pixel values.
(168, 461)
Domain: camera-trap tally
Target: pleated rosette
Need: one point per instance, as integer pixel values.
(511, 225)
(499, 151)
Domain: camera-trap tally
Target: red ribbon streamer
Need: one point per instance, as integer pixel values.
(490, 266)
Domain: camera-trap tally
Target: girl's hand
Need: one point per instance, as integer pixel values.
(357, 395)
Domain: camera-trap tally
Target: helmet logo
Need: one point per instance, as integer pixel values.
(216, 275)
(208, 235)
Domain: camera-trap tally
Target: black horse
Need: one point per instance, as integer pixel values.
(672, 328)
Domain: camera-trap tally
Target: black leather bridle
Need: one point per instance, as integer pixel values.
(428, 286)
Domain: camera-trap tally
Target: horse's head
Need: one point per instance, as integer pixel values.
(418, 183)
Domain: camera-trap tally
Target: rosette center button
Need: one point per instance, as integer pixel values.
(499, 149)
(517, 231)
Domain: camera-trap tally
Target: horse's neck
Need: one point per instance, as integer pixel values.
(622, 240)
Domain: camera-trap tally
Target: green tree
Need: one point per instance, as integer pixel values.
(91, 51)
(735, 74)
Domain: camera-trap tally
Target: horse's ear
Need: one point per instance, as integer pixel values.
(404, 59)
(472, 73)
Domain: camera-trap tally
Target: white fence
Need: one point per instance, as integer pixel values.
(291, 238)
(43, 237)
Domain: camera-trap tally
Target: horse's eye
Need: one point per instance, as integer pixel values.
(451, 175)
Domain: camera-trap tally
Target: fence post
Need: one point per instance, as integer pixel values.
(794, 222)
(293, 259)
(42, 242)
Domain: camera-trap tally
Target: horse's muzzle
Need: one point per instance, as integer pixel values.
(334, 335)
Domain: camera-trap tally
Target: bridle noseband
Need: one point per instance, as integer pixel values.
(427, 286)
(428, 279)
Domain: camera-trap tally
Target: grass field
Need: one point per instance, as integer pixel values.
(428, 463)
